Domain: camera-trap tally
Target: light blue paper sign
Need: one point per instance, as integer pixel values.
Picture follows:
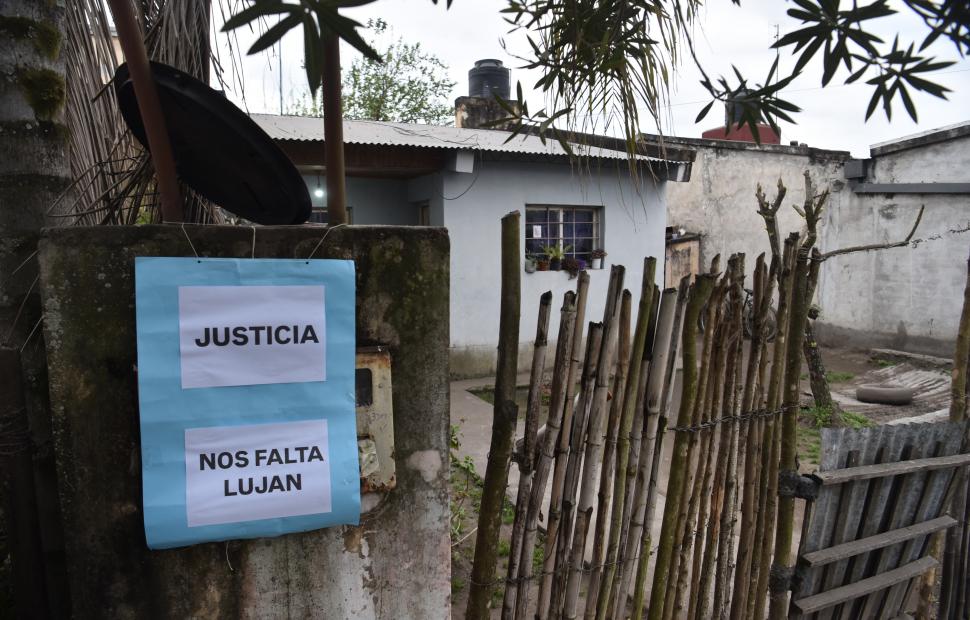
(246, 396)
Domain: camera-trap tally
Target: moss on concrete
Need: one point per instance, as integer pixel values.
(44, 90)
(44, 37)
(87, 285)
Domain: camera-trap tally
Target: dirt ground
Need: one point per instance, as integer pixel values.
(846, 369)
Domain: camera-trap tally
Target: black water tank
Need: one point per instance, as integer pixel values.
(487, 78)
(733, 109)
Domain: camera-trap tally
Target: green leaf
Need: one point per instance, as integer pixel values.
(908, 103)
(260, 8)
(874, 100)
(313, 53)
(275, 33)
(704, 111)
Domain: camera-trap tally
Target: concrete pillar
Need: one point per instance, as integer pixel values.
(396, 564)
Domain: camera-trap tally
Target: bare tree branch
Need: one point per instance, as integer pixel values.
(874, 246)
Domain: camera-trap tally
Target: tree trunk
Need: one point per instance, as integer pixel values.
(33, 172)
(333, 131)
(816, 373)
(503, 425)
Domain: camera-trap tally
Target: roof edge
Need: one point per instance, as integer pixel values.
(925, 138)
(737, 145)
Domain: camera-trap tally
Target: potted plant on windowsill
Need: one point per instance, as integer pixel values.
(573, 266)
(530, 264)
(542, 264)
(555, 254)
(597, 257)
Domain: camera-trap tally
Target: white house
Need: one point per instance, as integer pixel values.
(466, 179)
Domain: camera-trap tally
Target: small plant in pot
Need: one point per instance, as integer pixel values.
(555, 254)
(530, 264)
(573, 266)
(542, 263)
(597, 257)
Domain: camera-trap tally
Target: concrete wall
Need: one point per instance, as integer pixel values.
(396, 564)
(632, 228)
(719, 200)
(906, 298)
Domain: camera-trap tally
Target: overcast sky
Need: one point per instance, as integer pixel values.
(832, 118)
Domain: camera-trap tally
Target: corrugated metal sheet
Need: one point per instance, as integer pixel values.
(304, 128)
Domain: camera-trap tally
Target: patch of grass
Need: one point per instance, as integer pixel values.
(466, 489)
(883, 363)
(839, 377)
(856, 420)
(803, 376)
(817, 417)
(457, 585)
(538, 556)
(508, 512)
(504, 547)
(486, 393)
(809, 444)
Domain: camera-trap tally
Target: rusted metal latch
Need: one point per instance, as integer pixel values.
(793, 484)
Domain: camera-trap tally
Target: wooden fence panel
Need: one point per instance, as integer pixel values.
(867, 534)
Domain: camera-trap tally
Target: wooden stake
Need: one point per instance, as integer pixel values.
(560, 378)
(640, 458)
(636, 353)
(562, 451)
(731, 402)
(700, 291)
(646, 544)
(594, 442)
(604, 498)
(752, 457)
(526, 460)
(802, 293)
(503, 426)
(678, 589)
(571, 483)
(773, 432)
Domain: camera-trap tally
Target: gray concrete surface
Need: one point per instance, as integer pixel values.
(395, 564)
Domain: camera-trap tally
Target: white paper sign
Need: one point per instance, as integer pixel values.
(261, 471)
(251, 335)
(536, 231)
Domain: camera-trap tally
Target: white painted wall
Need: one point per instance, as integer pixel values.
(719, 200)
(908, 298)
(632, 228)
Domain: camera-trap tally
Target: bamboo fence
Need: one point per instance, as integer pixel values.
(619, 409)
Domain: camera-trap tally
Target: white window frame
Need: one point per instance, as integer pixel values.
(597, 236)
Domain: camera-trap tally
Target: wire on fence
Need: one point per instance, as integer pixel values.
(739, 417)
(561, 571)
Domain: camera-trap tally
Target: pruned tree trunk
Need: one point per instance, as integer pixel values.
(333, 131)
(816, 372)
(503, 425)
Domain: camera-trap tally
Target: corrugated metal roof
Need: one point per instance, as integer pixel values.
(304, 128)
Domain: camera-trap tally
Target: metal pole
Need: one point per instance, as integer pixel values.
(333, 131)
(130, 37)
